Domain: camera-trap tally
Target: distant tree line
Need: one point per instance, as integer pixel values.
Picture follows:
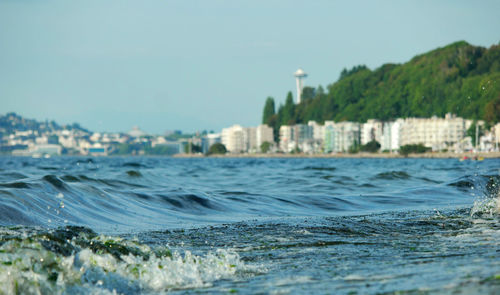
(459, 78)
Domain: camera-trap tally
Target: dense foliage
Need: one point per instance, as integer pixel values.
(269, 110)
(265, 147)
(371, 147)
(459, 78)
(217, 149)
(413, 149)
(192, 148)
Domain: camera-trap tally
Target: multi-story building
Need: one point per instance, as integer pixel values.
(287, 138)
(238, 139)
(371, 130)
(263, 134)
(391, 136)
(209, 140)
(251, 139)
(318, 134)
(340, 137)
(234, 139)
(436, 133)
(317, 130)
(328, 136)
(296, 137)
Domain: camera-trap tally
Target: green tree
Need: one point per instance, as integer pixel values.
(123, 149)
(288, 111)
(164, 150)
(308, 93)
(345, 72)
(217, 149)
(405, 150)
(269, 110)
(492, 111)
(265, 147)
(192, 148)
(354, 148)
(320, 91)
(371, 147)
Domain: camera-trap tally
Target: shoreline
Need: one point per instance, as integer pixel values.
(437, 155)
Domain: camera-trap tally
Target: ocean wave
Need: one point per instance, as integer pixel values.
(122, 194)
(76, 259)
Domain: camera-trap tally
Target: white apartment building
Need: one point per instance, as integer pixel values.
(238, 139)
(391, 131)
(287, 139)
(209, 140)
(339, 137)
(318, 134)
(234, 138)
(436, 133)
(318, 131)
(299, 136)
(251, 139)
(371, 130)
(264, 133)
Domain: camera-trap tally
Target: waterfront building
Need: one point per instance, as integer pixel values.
(287, 139)
(318, 134)
(208, 140)
(391, 131)
(234, 139)
(250, 139)
(328, 137)
(371, 130)
(436, 133)
(304, 138)
(263, 134)
(317, 130)
(298, 137)
(340, 137)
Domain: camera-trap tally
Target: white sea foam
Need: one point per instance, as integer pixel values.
(26, 267)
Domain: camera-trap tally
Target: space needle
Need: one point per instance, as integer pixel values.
(299, 78)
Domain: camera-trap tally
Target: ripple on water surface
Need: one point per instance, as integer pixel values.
(149, 225)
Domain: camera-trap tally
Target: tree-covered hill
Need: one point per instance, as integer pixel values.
(459, 78)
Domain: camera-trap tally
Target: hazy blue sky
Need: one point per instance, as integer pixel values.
(195, 65)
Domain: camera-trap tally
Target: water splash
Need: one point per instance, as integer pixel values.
(78, 260)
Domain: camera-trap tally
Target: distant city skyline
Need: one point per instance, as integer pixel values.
(206, 65)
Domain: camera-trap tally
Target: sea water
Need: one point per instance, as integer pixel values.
(139, 225)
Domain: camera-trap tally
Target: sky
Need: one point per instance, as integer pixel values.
(205, 65)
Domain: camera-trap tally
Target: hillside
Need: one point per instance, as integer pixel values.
(459, 78)
(12, 122)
